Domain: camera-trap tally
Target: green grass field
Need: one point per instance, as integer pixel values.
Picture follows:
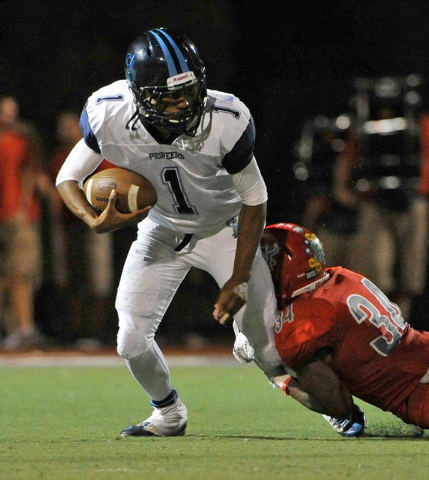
(63, 423)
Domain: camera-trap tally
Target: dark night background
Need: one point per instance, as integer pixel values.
(287, 61)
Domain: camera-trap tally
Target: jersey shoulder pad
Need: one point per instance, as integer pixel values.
(228, 103)
(109, 104)
(234, 128)
(116, 91)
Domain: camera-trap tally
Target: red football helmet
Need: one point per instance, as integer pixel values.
(296, 260)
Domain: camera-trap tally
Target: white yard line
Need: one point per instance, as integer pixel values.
(38, 359)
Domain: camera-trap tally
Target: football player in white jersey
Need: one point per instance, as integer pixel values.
(196, 148)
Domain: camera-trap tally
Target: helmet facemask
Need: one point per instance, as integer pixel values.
(152, 105)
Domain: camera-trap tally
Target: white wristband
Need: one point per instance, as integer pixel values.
(241, 290)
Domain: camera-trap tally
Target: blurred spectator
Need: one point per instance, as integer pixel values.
(379, 174)
(22, 180)
(83, 260)
(334, 219)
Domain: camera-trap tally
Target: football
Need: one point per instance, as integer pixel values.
(134, 192)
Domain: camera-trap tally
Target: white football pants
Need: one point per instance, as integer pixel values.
(152, 274)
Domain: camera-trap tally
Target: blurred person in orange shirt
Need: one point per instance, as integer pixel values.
(21, 181)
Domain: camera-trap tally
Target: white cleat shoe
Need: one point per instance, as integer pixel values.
(170, 421)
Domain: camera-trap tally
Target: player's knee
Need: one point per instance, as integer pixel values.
(135, 335)
(131, 345)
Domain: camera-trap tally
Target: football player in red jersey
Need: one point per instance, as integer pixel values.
(335, 321)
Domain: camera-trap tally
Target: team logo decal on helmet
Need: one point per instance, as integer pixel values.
(129, 62)
(314, 249)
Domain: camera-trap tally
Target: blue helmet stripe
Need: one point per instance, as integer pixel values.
(173, 62)
(170, 62)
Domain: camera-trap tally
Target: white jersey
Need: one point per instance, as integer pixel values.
(192, 175)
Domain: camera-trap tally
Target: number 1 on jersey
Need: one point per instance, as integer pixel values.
(171, 177)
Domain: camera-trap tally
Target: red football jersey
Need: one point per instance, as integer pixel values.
(376, 353)
(15, 158)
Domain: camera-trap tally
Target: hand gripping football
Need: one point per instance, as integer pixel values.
(134, 192)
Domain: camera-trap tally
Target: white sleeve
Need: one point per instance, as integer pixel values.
(250, 185)
(80, 163)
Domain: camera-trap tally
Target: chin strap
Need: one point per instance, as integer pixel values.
(312, 286)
